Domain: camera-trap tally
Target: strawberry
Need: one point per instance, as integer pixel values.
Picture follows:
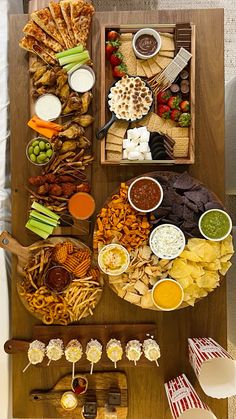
(163, 97)
(175, 114)
(111, 46)
(163, 111)
(113, 36)
(184, 106)
(119, 71)
(184, 119)
(174, 102)
(116, 59)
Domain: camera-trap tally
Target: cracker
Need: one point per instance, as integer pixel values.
(114, 139)
(155, 123)
(181, 147)
(170, 124)
(163, 62)
(143, 122)
(155, 68)
(179, 132)
(146, 68)
(169, 54)
(167, 43)
(168, 35)
(113, 147)
(129, 57)
(118, 128)
(126, 37)
(139, 69)
(114, 155)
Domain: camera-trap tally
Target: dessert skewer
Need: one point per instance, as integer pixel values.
(36, 353)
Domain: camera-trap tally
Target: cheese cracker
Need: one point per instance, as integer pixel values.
(118, 128)
(129, 59)
(114, 156)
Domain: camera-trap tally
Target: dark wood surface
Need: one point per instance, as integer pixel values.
(208, 318)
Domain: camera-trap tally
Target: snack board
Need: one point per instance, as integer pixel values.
(38, 299)
(46, 76)
(198, 269)
(184, 148)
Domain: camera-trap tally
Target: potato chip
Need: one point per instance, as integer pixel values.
(225, 267)
(186, 254)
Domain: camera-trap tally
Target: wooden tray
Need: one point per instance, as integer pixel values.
(152, 174)
(106, 80)
(102, 332)
(99, 385)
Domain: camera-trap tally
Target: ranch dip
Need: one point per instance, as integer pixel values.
(48, 107)
(167, 241)
(81, 80)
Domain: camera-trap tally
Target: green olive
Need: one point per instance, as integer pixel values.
(47, 160)
(42, 156)
(30, 150)
(36, 142)
(39, 161)
(48, 146)
(36, 150)
(32, 158)
(49, 153)
(42, 145)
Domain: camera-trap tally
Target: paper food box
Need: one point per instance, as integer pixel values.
(214, 367)
(184, 401)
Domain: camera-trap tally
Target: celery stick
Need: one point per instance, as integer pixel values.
(76, 66)
(74, 58)
(45, 211)
(35, 230)
(70, 51)
(41, 226)
(67, 67)
(43, 218)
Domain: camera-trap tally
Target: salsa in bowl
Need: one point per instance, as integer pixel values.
(145, 194)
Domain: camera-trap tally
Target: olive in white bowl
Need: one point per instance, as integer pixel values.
(39, 151)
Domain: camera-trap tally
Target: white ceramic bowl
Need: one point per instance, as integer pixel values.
(82, 88)
(159, 202)
(113, 246)
(48, 107)
(146, 31)
(162, 255)
(170, 280)
(208, 238)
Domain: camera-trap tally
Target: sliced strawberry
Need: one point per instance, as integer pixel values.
(175, 114)
(184, 106)
(163, 97)
(116, 59)
(174, 102)
(163, 111)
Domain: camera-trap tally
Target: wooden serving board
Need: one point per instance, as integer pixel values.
(128, 182)
(106, 80)
(101, 332)
(23, 253)
(99, 385)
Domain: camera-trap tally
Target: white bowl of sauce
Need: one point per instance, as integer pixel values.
(48, 107)
(82, 80)
(146, 43)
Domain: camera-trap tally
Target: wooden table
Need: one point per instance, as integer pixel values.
(146, 391)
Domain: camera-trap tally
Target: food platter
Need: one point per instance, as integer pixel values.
(40, 301)
(183, 139)
(198, 269)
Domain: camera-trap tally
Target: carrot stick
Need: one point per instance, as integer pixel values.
(48, 133)
(46, 124)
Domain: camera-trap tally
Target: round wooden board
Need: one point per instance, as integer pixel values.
(128, 182)
(24, 253)
(99, 385)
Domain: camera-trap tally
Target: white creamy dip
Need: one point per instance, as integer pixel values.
(81, 80)
(167, 241)
(48, 107)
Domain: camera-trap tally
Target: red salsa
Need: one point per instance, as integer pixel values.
(145, 194)
(79, 385)
(57, 279)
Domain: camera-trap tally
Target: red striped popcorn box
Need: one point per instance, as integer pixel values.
(184, 401)
(214, 367)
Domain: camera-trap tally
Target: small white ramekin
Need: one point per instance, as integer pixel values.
(208, 238)
(153, 180)
(164, 280)
(146, 31)
(110, 246)
(158, 254)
